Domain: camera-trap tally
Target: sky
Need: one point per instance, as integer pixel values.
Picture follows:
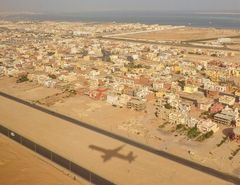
(73, 6)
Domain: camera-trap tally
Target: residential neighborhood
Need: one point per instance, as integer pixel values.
(202, 92)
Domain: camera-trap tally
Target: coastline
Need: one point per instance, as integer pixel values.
(219, 20)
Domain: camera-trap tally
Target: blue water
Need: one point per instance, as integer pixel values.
(173, 18)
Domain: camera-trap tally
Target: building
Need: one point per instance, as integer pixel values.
(238, 122)
(209, 86)
(205, 105)
(234, 113)
(192, 122)
(112, 98)
(224, 40)
(123, 100)
(177, 118)
(227, 100)
(186, 105)
(190, 89)
(136, 104)
(157, 86)
(49, 83)
(227, 116)
(237, 94)
(223, 119)
(99, 94)
(207, 126)
(217, 107)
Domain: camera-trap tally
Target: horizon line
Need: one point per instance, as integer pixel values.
(109, 10)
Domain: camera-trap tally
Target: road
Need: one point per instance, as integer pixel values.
(138, 32)
(183, 44)
(71, 139)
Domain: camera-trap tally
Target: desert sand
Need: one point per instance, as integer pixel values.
(20, 166)
(183, 34)
(72, 142)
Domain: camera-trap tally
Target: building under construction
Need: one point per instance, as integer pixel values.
(136, 104)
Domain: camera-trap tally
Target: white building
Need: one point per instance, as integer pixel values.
(112, 99)
(207, 126)
(227, 100)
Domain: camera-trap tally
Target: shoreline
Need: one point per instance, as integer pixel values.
(218, 20)
(118, 22)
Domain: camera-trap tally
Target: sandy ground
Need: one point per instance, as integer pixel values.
(183, 34)
(72, 141)
(87, 109)
(27, 91)
(19, 166)
(103, 115)
(138, 126)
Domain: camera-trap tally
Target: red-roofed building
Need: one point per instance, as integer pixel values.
(217, 107)
(212, 94)
(99, 94)
(143, 81)
(167, 86)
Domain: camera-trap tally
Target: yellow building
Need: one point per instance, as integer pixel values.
(177, 69)
(190, 89)
(124, 69)
(159, 94)
(236, 72)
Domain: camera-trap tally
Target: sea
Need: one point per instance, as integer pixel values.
(194, 19)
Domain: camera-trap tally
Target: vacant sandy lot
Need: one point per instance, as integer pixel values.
(28, 91)
(96, 112)
(183, 34)
(19, 166)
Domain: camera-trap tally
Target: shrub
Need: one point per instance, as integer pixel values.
(179, 126)
(52, 76)
(168, 106)
(22, 78)
(208, 134)
(205, 136)
(222, 141)
(193, 132)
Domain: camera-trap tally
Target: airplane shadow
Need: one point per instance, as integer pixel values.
(108, 154)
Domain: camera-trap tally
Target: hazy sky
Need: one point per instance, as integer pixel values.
(101, 5)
